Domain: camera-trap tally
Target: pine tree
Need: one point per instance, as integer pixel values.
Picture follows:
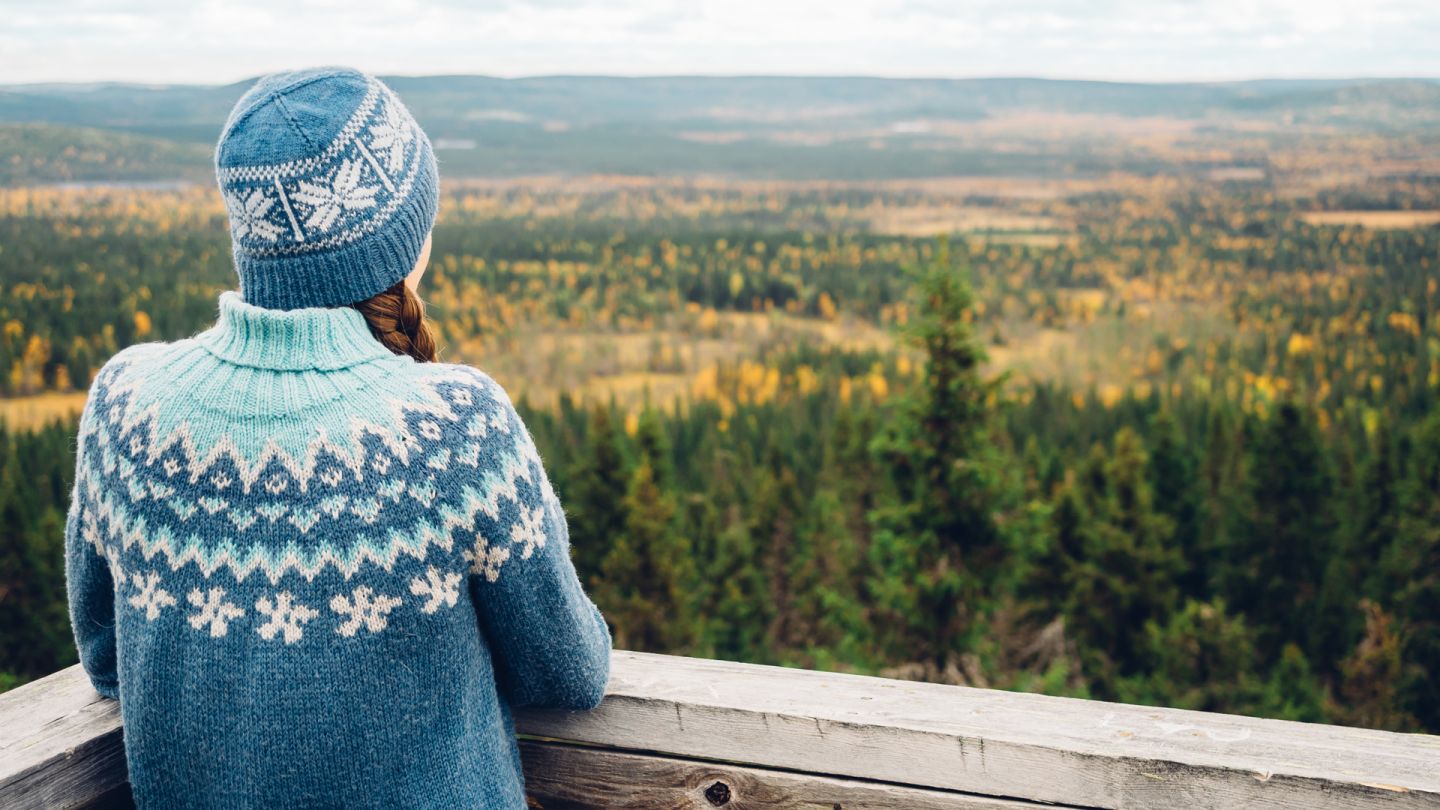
(34, 619)
(1172, 474)
(1293, 692)
(938, 538)
(777, 513)
(1275, 567)
(1413, 561)
(826, 621)
(647, 578)
(1200, 657)
(1222, 476)
(1351, 572)
(597, 494)
(1126, 570)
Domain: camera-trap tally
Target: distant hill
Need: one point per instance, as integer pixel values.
(754, 126)
(33, 154)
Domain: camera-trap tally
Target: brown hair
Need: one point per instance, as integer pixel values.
(397, 319)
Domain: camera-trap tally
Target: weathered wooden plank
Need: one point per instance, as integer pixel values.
(559, 776)
(995, 743)
(60, 744)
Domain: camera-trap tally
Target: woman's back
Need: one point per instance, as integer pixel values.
(316, 573)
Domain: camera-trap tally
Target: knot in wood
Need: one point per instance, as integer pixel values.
(718, 794)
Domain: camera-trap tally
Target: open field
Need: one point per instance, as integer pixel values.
(1379, 220)
(26, 413)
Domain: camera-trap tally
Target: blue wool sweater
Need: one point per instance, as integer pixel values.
(317, 574)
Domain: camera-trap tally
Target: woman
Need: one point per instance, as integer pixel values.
(317, 568)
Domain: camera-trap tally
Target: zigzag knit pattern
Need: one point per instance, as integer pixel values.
(292, 548)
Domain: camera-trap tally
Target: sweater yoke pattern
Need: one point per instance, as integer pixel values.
(156, 498)
(288, 548)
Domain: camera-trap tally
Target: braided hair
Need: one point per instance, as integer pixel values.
(397, 319)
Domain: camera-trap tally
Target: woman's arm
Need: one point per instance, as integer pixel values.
(88, 578)
(550, 644)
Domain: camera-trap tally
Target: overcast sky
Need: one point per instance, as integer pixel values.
(1145, 40)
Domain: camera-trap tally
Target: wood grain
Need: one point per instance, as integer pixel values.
(775, 728)
(995, 743)
(60, 745)
(566, 777)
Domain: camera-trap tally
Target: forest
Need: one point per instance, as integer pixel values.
(1163, 439)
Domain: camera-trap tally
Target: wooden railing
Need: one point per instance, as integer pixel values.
(683, 732)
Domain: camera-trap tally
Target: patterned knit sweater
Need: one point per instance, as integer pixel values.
(317, 574)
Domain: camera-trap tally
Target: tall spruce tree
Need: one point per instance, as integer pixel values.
(1126, 570)
(1275, 568)
(1366, 529)
(1413, 559)
(597, 493)
(1172, 473)
(937, 533)
(646, 588)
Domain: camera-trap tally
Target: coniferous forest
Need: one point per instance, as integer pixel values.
(1158, 440)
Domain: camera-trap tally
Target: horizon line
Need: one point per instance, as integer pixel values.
(1337, 78)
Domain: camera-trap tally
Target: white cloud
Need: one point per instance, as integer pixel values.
(175, 41)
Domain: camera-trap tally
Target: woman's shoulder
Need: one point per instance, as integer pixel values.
(140, 361)
(470, 376)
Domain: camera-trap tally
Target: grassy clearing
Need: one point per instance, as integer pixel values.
(28, 413)
(657, 365)
(923, 221)
(1378, 220)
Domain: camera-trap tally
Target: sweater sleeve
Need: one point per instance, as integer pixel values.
(550, 644)
(88, 580)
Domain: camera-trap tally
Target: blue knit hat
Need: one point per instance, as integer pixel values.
(331, 188)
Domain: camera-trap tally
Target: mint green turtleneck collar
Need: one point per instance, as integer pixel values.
(290, 340)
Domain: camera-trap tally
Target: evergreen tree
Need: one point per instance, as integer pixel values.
(34, 619)
(1293, 692)
(1275, 568)
(1222, 475)
(1201, 657)
(1172, 474)
(597, 493)
(825, 623)
(1376, 521)
(1126, 570)
(1351, 571)
(647, 575)
(937, 535)
(777, 513)
(1414, 560)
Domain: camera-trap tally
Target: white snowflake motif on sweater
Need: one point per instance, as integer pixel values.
(248, 215)
(390, 136)
(286, 617)
(343, 194)
(437, 588)
(364, 607)
(485, 559)
(152, 598)
(530, 531)
(214, 611)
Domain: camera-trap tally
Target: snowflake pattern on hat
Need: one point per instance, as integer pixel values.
(346, 191)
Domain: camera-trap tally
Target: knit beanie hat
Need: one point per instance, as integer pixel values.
(331, 188)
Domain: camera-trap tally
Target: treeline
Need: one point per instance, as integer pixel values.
(1341, 318)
